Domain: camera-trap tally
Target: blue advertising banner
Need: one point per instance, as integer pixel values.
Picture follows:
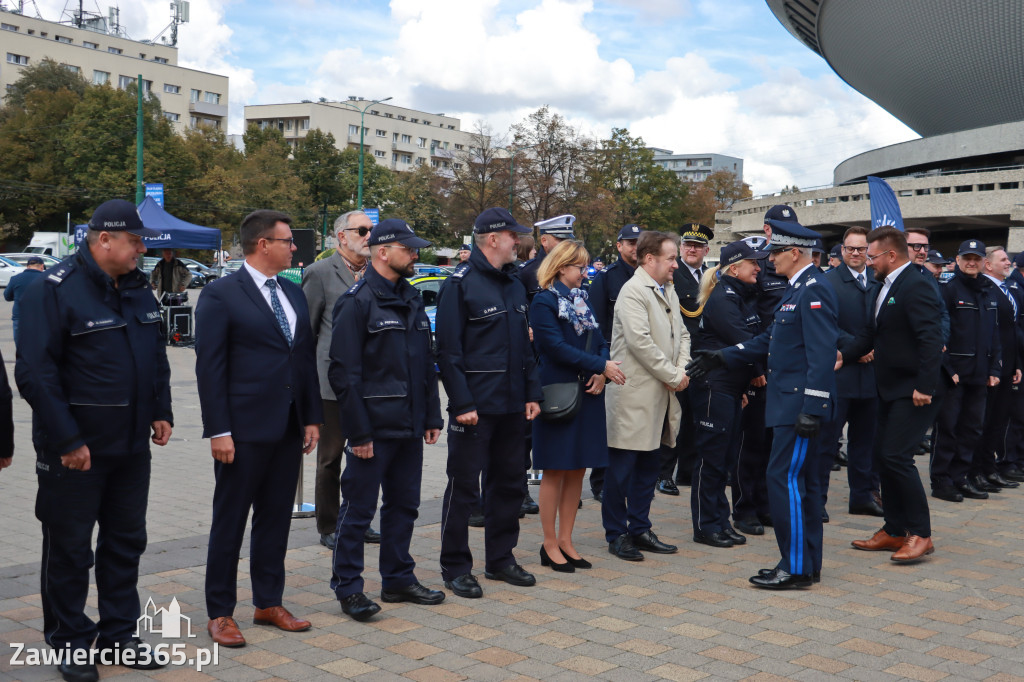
(885, 209)
(373, 214)
(155, 190)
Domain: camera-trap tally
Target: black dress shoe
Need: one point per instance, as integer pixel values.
(465, 586)
(815, 577)
(415, 593)
(78, 672)
(841, 458)
(983, 484)
(649, 542)
(948, 494)
(142, 656)
(513, 574)
(968, 490)
(749, 526)
(870, 508)
(777, 579)
(1012, 474)
(564, 567)
(476, 519)
(736, 538)
(371, 536)
(529, 506)
(824, 515)
(996, 479)
(836, 466)
(624, 548)
(358, 607)
(578, 563)
(766, 520)
(713, 539)
(598, 495)
(329, 540)
(667, 487)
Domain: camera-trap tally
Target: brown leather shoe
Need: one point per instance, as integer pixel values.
(880, 541)
(916, 548)
(278, 616)
(225, 632)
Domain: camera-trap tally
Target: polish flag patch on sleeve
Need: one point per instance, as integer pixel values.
(815, 305)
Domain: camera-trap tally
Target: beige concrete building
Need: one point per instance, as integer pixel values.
(189, 97)
(398, 138)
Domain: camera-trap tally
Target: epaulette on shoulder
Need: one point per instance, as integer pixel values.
(729, 290)
(60, 272)
(811, 281)
(354, 288)
(461, 271)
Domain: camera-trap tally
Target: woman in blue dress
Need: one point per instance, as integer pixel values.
(571, 348)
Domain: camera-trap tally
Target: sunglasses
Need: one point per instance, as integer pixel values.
(363, 231)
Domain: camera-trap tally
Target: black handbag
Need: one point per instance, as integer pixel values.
(564, 400)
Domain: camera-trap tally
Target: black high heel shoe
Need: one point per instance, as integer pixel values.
(545, 560)
(578, 563)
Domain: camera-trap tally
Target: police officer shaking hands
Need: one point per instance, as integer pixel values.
(382, 371)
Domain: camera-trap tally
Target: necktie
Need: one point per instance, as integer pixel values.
(860, 280)
(275, 304)
(697, 273)
(1006, 290)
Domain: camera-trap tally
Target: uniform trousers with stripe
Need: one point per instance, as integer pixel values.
(718, 437)
(794, 497)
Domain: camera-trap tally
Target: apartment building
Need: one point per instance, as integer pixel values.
(398, 138)
(697, 167)
(101, 54)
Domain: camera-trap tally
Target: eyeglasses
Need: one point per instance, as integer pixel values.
(919, 247)
(290, 240)
(415, 252)
(855, 249)
(363, 231)
(879, 255)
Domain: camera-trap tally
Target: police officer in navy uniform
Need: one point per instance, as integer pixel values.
(972, 363)
(604, 291)
(93, 366)
(801, 350)
(382, 370)
(729, 316)
(552, 231)
(749, 490)
(677, 463)
(490, 376)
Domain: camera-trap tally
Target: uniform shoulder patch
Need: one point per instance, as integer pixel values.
(461, 271)
(728, 290)
(355, 287)
(811, 281)
(61, 272)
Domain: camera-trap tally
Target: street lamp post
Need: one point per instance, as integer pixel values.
(362, 132)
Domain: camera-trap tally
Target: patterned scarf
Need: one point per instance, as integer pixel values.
(574, 309)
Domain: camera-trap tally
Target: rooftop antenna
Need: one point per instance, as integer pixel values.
(179, 15)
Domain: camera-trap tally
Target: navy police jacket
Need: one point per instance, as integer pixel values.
(483, 340)
(604, 291)
(91, 361)
(528, 274)
(974, 352)
(730, 317)
(854, 380)
(801, 349)
(771, 287)
(382, 367)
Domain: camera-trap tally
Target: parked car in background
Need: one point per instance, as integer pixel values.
(22, 258)
(201, 274)
(8, 269)
(429, 286)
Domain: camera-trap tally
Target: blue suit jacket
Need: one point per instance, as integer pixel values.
(801, 349)
(248, 376)
(856, 317)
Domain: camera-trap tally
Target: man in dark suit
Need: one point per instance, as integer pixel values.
(857, 395)
(258, 390)
(323, 283)
(677, 462)
(907, 342)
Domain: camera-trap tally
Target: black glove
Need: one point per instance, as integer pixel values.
(703, 362)
(807, 425)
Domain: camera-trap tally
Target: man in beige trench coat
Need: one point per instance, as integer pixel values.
(649, 339)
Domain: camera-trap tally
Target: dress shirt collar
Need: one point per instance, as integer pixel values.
(802, 270)
(258, 278)
(998, 282)
(857, 274)
(891, 277)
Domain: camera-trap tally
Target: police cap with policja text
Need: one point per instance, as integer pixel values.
(497, 219)
(631, 231)
(395, 230)
(118, 215)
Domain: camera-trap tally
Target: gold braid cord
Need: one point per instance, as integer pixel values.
(687, 313)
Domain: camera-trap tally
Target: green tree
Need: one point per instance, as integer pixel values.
(417, 202)
(378, 182)
(319, 164)
(479, 179)
(48, 76)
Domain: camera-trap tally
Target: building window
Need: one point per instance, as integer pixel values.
(387, 115)
(124, 81)
(62, 39)
(91, 46)
(457, 166)
(426, 122)
(375, 112)
(414, 120)
(379, 154)
(160, 60)
(171, 117)
(394, 137)
(401, 118)
(19, 59)
(406, 158)
(8, 27)
(211, 97)
(100, 77)
(147, 86)
(421, 142)
(435, 164)
(419, 160)
(194, 96)
(72, 68)
(193, 121)
(114, 50)
(382, 133)
(173, 89)
(407, 139)
(394, 158)
(451, 127)
(288, 124)
(353, 130)
(305, 124)
(458, 147)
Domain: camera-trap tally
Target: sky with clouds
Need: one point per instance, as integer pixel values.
(693, 76)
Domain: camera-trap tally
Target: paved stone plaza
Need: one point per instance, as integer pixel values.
(689, 616)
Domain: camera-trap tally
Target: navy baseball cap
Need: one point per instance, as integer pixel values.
(35, 260)
(395, 230)
(464, 247)
(780, 212)
(936, 258)
(787, 234)
(498, 219)
(1018, 260)
(972, 246)
(737, 251)
(819, 246)
(631, 231)
(695, 232)
(836, 252)
(118, 215)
